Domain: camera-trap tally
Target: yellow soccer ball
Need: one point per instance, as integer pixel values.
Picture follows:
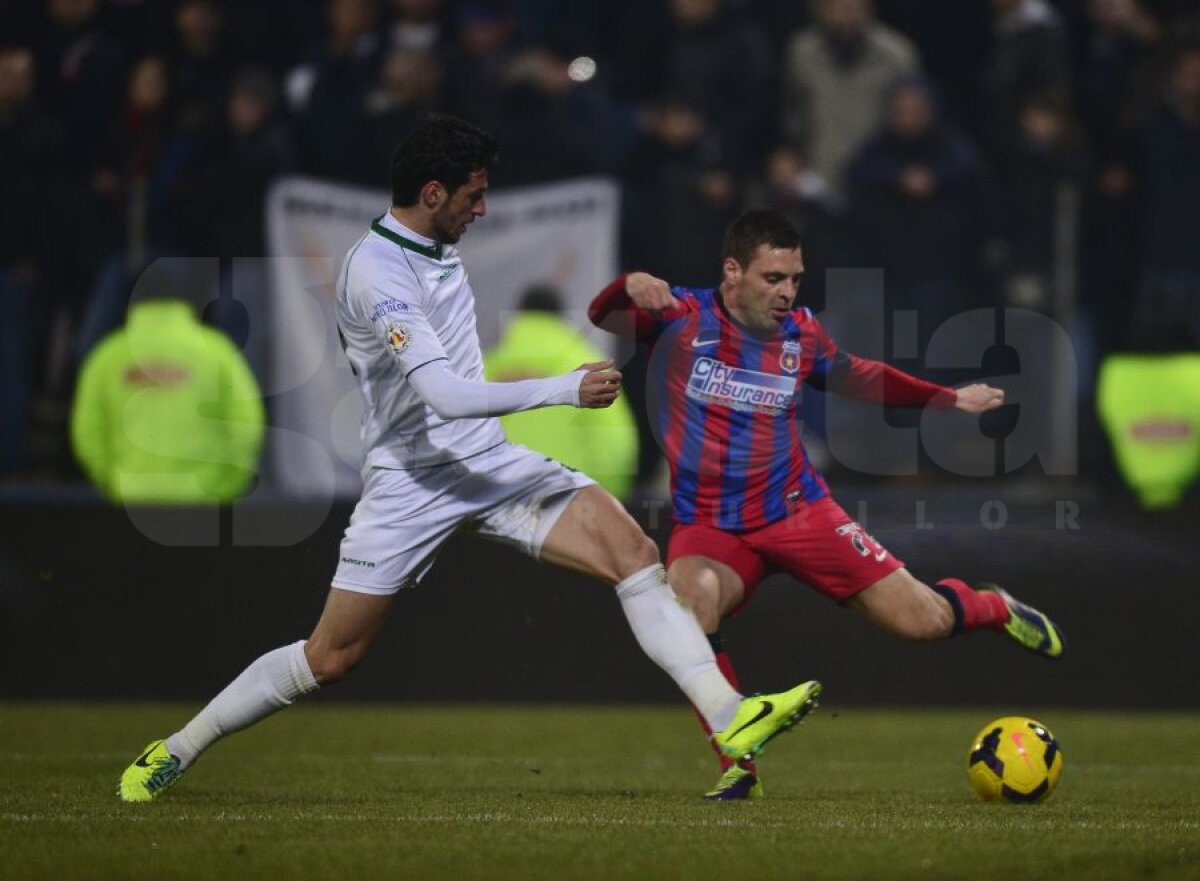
(1014, 759)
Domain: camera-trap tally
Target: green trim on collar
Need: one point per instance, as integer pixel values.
(433, 251)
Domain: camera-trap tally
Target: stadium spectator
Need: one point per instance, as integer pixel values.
(417, 25)
(201, 65)
(1113, 75)
(1116, 74)
(1169, 311)
(31, 155)
(143, 185)
(719, 64)
(837, 76)
(912, 188)
(1029, 59)
(82, 73)
(254, 148)
(483, 48)
(167, 410)
(409, 87)
(1024, 202)
(327, 95)
(819, 212)
(560, 119)
(540, 342)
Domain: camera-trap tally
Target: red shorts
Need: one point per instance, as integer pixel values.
(819, 545)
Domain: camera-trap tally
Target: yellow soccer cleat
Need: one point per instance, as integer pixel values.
(1028, 627)
(735, 784)
(763, 716)
(151, 774)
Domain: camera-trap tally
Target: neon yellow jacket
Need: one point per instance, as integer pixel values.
(603, 444)
(167, 411)
(1150, 406)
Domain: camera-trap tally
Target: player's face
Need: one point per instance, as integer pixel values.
(761, 294)
(468, 202)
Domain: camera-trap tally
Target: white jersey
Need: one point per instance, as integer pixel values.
(404, 301)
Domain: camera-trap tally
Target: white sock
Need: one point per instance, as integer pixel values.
(670, 635)
(271, 683)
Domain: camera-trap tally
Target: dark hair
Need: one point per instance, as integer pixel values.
(441, 148)
(758, 226)
(541, 298)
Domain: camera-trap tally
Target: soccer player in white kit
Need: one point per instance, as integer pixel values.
(437, 461)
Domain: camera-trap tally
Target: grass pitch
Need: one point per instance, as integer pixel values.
(346, 792)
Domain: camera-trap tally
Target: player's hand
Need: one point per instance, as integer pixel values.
(600, 385)
(979, 398)
(650, 293)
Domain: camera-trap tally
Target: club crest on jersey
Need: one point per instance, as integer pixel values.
(789, 357)
(398, 338)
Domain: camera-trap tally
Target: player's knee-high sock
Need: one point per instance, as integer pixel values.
(271, 683)
(725, 665)
(972, 608)
(670, 635)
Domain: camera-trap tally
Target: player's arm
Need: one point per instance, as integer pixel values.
(635, 305)
(837, 370)
(451, 396)
(403, 329)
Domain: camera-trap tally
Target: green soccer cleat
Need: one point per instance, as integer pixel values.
(761, 717)
(1028, 627)
(150, 775)
(735, 784)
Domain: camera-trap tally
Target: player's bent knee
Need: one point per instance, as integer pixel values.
(634, 552)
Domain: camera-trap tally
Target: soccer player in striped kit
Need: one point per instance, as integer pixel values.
(747, 500)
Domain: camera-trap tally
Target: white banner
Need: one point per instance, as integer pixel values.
(562, 234)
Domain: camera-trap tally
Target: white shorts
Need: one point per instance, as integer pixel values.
(509, 494)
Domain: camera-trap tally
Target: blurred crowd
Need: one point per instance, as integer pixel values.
(964, 146)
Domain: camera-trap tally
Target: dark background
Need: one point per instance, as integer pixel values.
(91, 608)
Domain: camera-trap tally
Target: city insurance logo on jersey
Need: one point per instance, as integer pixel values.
(713, 382)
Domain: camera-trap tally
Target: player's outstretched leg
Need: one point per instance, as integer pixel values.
(348, 626)
(991, 606)
(596, 536)
(1027, 626)
(761, 717)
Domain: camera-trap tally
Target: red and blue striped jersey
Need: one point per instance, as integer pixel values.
(725, 403)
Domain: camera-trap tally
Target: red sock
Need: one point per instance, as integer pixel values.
(972, 608)
(726, 667)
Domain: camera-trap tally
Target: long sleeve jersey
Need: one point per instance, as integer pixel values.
(726, 402)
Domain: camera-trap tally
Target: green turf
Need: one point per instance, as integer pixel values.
(347, 793)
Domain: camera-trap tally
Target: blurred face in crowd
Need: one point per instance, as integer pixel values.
(350, 19)
(1111, 14)
(246, 111)
(483, 31)
(691, 13)
(910, 113)
(454, 212)
(1187, 77)
(846, 19)
(417, 10)
(72, 14)
(761, 294)
(148, 84)
(784, 166)
(409, 76)
(16, 77)
(198, 23)
(1042, 124)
